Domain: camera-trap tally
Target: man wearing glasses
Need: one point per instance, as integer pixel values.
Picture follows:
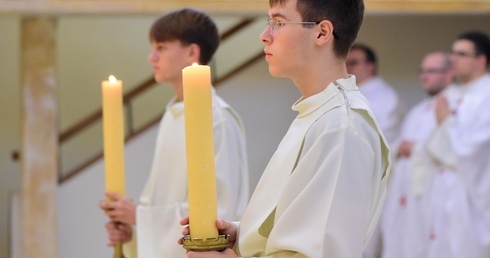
(322, 191)
(460, 219)
(403, 222)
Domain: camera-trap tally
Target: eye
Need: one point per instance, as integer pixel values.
(280, 23)
(160, 47)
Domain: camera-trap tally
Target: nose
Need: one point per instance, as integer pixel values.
(266, 36)
(152, 57)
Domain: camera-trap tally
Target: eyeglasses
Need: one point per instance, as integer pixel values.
(432, 70)
(275, 24)
(462, 54)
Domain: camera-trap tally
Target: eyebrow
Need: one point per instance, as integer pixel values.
(277, 15)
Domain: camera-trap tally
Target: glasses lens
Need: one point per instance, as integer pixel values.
(272, 25)
(462, 54)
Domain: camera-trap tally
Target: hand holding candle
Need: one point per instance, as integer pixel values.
(113, 124)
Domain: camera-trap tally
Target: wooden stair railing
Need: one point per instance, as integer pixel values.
(97, 115)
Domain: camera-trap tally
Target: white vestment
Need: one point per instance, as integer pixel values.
(386, 106)
(388, 111)
(323, 189)
(460, 224)
(164, 198)
(404, 220)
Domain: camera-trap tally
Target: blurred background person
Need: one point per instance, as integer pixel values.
(460, 143)
(179, 39)
(384, 100)
(403, 223)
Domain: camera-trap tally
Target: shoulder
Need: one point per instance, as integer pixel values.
(223, 113)
(344, 119)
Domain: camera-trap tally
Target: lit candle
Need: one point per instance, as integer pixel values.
(113, 123)
(200, 151)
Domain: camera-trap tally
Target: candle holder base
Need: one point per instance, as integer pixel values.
(209, 244)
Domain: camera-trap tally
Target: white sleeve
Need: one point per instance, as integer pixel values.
(332, 200)
(231, 166)
(130, 248)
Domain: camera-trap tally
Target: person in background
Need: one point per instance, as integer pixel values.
(179, 39)
(403, 223)
(385, 103)
(323, 190)
(459, 225)
(384, 100)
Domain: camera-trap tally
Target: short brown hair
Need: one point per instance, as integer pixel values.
(190, 27)
(345, 15)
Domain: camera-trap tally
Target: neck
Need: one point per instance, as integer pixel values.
(470, 78)
(317, 77)
(179, 91)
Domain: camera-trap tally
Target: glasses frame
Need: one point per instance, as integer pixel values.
(462, 54)
(433, 70)
(275, 24)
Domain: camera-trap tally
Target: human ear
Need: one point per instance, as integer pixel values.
(325, 31)
(194, 53)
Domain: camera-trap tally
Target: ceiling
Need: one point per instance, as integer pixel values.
(241, 7)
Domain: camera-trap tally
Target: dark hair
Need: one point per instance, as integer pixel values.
(481, 42)
(190, 27)
(345, 15)
(369, 52)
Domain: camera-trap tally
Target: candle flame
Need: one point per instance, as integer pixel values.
(194, 64)
(112, 79)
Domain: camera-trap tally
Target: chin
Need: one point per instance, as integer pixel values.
(158, 79)
(275, 72)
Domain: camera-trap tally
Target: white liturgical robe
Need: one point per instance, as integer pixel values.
(322, 191)
(404, 221)
(164, 198)
(460, 225)
(386, 107)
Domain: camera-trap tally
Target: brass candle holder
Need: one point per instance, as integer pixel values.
(209, 244)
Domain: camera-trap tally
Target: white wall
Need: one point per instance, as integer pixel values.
(81, 231)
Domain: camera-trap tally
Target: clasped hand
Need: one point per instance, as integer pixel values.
(122, 213)
(224, 228)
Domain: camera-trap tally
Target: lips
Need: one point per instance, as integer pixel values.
(267, 55)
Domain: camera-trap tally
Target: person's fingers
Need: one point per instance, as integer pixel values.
(225, 226)
(102, 204)
(108, 206)
(110, 225)
(184, 221)
(114, 196)
(186, 231)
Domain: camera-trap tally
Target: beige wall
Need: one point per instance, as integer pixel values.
(9, 119)
(91, 47)
(402, 40)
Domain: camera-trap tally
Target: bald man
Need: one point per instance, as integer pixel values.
(403, 224)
